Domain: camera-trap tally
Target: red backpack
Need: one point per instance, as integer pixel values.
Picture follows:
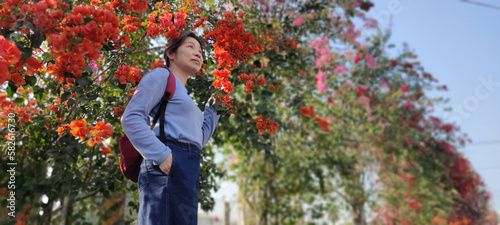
(130, 158)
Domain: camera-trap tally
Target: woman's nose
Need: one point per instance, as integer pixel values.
(197, 55)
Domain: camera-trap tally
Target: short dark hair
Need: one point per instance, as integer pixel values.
(174, 43)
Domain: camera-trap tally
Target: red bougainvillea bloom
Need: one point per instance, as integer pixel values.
(360, 90)
(357, 58)
(103, 129)
(447, 128)
(264, 126)
(249, 86)
(323, 124)
(105, 150)
(308, 112)
(131, 23)
(157, 64)
(126, 73)
(262, 81)
(118, 111)
(9, 52)
(62, 128)
(232, 42)
(222, 81)
(77, 129)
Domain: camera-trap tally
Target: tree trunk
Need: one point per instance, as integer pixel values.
(358, 211)
(47, 212)
(64, 210)
(113, 209)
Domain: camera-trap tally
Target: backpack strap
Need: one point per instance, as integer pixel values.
(167, 95)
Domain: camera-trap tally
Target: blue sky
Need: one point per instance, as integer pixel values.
(459, 44)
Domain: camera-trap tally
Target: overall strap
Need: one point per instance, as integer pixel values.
(167, 95)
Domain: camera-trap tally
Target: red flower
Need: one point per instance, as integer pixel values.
(262, 81)
(105, 150)
(447, 128)
(266, 126)
(360, 90)
(308, 112)
(323, 124)
(357, 59)
(249, 86)
(78, 129)
(125, 74)
(232, 42)
(157, 64)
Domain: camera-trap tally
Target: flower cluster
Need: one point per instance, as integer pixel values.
(221, 80)
(73, 37)
(370, 61)
(232, 42)
(12, 67)
(126, 73)
(118, 111)
(23, 113)
(249, 85)
(165, 22)
(265, 126)
(94, 134)
(232, 45)
(158, 64)
(309, 112)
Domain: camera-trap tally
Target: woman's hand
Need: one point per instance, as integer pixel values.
(166, 165)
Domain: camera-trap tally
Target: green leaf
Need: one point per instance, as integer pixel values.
(38, 92)
(122, 86)
(11, 89)
(83, 80)
(31, 80)
(18, 100)
(77, 110)
(71, 102)
(26, 53)
(65, 96)
(92, 96)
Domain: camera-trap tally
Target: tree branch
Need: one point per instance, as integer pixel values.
(144, 50)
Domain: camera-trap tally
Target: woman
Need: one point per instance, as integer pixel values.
(168, 180)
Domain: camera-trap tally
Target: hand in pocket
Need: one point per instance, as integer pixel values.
(166, 165)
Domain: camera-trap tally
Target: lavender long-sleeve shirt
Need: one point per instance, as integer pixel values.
(184, 121)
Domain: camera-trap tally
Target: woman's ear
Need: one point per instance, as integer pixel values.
(170, 55)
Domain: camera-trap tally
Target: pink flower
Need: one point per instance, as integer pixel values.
(404, 89)
(340, 69)
(94, 66)
(363, 101)
(357, 58)
(216, 219)
(383, 84)
(321, 86)
(298, 20)
(371, 23)
(352, 32)
(370, 61)
(320, 77)
(384, 124)
(360, 90)
(447, 128)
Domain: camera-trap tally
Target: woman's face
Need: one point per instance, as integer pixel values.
(188, 56)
